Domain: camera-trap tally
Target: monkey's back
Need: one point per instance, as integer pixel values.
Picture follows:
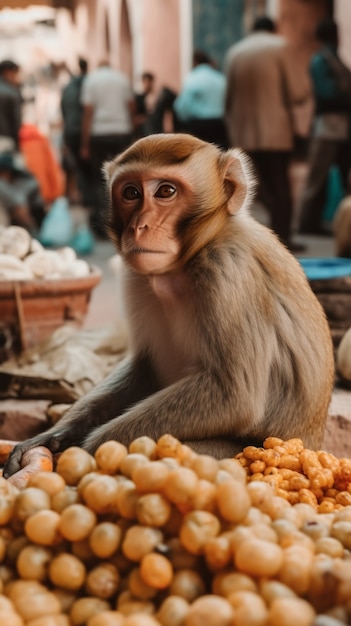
(302, 367)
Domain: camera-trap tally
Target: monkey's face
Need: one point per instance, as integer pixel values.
(172, 195)
(146, 212)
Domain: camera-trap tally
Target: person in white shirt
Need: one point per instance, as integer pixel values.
(107, 127)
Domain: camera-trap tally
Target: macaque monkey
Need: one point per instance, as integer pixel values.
(228, 343)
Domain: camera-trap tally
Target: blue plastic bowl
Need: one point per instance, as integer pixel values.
(325, 269)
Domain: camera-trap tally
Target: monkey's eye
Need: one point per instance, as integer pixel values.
(166, 190)
(130, 192)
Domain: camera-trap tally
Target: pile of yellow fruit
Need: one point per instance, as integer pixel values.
(157, 535)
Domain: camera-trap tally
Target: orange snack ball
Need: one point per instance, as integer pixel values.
(210, 610)
(127, 499)
(258, 557)
(100, 494)
(249, 608)
(291, 611)
(169, 446)
(107, 618)
(173, 611)
(73, 463)
(51, 482)
(103, 581)
(109, 456)
(197, 528)
(144, 445)
(77, 521)
(187, 584)
(32, 600)
(139, 541)
(180, 486)
(32, 562)
(218, 552)
(85, 608)
(151, 476)
(233, 500)
(67, 571)
(153, 510)
(156, 571)
(30, 501)
(43, 528)
(64, 498)
(131, 462)
(105, 539)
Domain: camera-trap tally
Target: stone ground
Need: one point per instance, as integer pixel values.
(105, 308)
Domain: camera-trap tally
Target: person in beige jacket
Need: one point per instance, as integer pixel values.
(262, 87)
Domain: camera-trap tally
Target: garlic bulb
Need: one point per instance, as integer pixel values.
(16, 241)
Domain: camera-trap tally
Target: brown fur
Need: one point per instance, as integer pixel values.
(228, 343)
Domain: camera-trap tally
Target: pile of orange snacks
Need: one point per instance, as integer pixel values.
(300, 475)
(157, 535)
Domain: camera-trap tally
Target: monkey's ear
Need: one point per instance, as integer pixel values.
(108, 170)
(239, 180)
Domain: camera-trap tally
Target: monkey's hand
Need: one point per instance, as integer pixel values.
(56, 442)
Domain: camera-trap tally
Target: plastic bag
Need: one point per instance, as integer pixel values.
(83, 241)
(57, 228)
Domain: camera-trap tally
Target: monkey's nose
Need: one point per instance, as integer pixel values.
(138, 228)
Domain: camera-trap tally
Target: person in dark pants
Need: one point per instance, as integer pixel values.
(263, 85)
(331, 137)
(72, 114)
(10, 102)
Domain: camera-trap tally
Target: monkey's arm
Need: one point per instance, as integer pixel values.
(131, 381)
(196, 407)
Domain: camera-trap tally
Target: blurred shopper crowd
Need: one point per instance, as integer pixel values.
(249, 105)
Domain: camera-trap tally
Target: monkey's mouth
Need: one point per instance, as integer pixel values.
(144, 251)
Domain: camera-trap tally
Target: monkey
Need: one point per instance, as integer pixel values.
(228, 344)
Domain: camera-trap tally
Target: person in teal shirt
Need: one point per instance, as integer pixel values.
(199, 107)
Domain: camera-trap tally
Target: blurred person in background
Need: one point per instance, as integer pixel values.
(263, 86)
(20, 196)
(10, 104)
(144, 104)
(76, 167)
(40, 159)
(331, 133)
(107, 128)
(199, 107)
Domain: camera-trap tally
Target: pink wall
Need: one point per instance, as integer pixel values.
(161, 41)
(343, 18)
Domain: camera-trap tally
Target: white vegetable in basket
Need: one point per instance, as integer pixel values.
(343, 356)
(36, 246)
(78, 269)
(15, 241)
(67, 254)
(45, 264)
(12, 268)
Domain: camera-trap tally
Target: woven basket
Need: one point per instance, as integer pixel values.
(30, 310)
